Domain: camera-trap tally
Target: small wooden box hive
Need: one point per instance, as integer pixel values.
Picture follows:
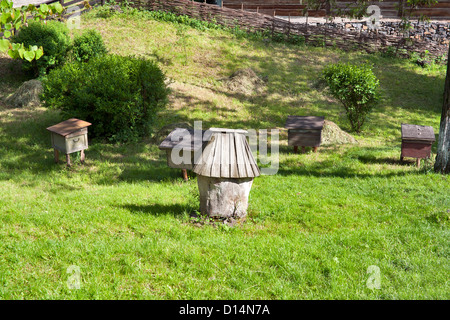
(68, 137)
(304, 131)
(225, 174)
(416, 141)
(183, 144)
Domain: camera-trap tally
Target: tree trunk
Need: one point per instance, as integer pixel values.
(442, 164)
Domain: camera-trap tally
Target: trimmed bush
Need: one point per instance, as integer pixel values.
(356, 87)
(53, 36)
(119, 95)
(88, 45)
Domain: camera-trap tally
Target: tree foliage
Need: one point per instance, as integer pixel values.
(356, 87)
(13, 18)
(119, 95)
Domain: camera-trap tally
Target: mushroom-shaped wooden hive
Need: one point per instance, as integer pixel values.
(225, 174)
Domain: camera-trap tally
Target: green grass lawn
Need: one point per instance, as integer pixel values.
(313, 230)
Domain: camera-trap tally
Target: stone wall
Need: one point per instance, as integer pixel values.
(437, 33)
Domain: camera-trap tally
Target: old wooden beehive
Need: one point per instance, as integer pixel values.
(225, 174)
(416, 141)
(183, 147)
(304, 131)
(68, 137)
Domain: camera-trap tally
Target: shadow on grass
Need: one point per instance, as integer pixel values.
(159, 209)
(25, 147)
(353, 162)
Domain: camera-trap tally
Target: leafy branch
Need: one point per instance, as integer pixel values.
(11, 19)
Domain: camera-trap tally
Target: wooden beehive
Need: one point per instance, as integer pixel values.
(68, 137)
(225, 174)
(416, 141)
(304, 131)
(182, 147)
(227, 155)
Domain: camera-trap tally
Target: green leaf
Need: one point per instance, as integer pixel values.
(4, 45)
(31, 7)
(43, 8)
(6, 4)
(39, 53)
(7, 34)
(6, 16)
(13, 53)
(21, 51)
(16, 46)
(18, 24)
(29, 55)
(58, 7)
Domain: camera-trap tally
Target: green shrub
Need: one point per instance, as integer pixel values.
(53, 36)
(119, 95)
(356, 87)
(88, 45)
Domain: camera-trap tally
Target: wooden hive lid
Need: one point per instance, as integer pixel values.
(67, 127)
(227, 155)
(304, 122)
(185, 139)
(413, 132)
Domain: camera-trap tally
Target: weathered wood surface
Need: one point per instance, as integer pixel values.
(416, 142)
(304, 122)
(224, 198)
(415, 150)
(442, 164)
(69, 126)
(304, 131)
(68, 137)
(227, 155)
(412, 132)
(184, 146)
(187, 139)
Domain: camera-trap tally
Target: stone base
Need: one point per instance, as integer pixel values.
(224, 197)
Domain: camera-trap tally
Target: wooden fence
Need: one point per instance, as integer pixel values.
(317, 34)
(389, 8)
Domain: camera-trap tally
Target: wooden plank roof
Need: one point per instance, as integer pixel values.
(304, 122)
(186, 139)
(417, 132)
(67, 127)
(227, 155)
